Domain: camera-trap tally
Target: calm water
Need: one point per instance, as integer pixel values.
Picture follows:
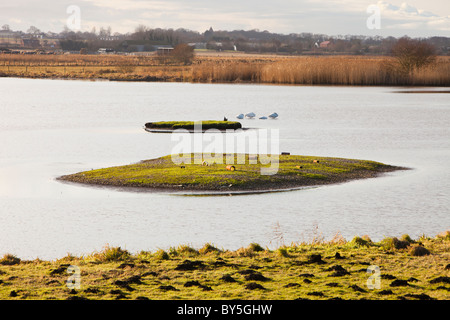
(50, 128)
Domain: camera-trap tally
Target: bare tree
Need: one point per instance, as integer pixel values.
(413, 54)
(33, 30)
(183, 53)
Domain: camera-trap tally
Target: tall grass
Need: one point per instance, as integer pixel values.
(342, 70)
(305, 70)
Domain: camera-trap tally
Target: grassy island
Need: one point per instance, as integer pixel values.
(205, 174)
(404, 269)
(191, 125)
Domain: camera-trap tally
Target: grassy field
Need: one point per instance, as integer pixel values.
(198, 172)
(236, 68)
(405, 269)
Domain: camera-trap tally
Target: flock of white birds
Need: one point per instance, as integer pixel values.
(252, 115)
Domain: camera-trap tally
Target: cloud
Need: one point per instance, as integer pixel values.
(407, 17)
(331, 17)
(404, 10)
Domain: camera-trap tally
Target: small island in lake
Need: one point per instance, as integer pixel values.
(170, 126)
(195, 172)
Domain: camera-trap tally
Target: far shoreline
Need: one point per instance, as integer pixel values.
(118, 80)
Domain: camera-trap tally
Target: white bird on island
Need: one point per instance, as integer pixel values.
(240, 116)
(273, 115)
(250, 115)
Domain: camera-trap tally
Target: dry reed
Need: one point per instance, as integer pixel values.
(305, 70)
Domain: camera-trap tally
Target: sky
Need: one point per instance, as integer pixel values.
(414, 18)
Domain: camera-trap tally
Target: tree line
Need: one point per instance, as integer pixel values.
(144, 38)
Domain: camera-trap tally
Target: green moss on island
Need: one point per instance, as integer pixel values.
(190, 125)
(212, 174)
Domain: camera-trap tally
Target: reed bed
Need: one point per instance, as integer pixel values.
(75, 60)
(305, 70)
(342, 70)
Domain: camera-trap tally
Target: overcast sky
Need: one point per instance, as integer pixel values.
(415, 18)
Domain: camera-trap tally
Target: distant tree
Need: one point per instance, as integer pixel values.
(33, 30)
(183, 53)
(6, 27)
(412, 54)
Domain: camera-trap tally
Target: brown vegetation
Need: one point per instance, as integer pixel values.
(412, 54)
(304, 70)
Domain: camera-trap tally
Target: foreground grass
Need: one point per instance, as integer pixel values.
(200, 173)
(335, 269)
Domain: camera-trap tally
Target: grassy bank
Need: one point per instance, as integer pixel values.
(333, 269)
(304, 70)
(200, 173)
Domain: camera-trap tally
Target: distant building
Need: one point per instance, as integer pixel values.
(105, 50)
(10, 39)
(162, 51)
(31, 43)
(198, 45)
(325, 44)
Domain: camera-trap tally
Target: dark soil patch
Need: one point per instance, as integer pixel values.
(254, 286)
(60, 270)
(192, 284)
(339, 271)
(195, 283)
(357, 288)
(227, 278)
(168, 288)
(385, 292)
(292, 285)
(338, 256)
(421, 296)
(443, 288)
(333, 284)
(256, 277)
(399, 283)
(92, 290)
(134, 279)
(316, 293)
(441, 280)
(188, 265)
(419, 251)
(123, 284)
(247, 272)
(306, 275)
(315, 258)
(75, 298)
(412, 279)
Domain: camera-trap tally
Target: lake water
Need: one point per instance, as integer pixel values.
(49, 128)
